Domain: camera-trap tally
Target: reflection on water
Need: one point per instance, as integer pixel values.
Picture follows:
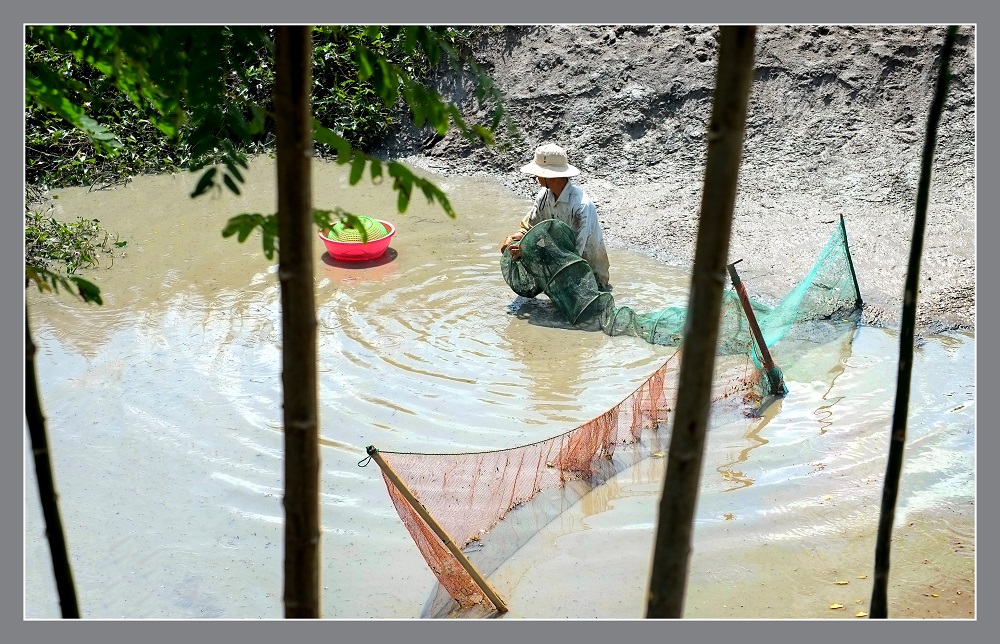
(737, 477)
(164, 408)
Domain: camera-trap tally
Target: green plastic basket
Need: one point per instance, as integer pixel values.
(340, 232)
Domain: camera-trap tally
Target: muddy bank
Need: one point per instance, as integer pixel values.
(835, 126)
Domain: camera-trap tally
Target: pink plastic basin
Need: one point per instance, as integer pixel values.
(358, 251)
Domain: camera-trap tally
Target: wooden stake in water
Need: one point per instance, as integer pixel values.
(775, 381)
(850, 264)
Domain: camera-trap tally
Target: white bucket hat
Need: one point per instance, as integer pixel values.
(550, 161)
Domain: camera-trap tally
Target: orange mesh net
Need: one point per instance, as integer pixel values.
(491, 503)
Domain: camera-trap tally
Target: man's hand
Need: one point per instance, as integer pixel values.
(511, 243)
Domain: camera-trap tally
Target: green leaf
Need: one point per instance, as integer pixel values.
(48, 89)
(322, 219)
(416, 107)
(387, 82)
(238, 125)
(47, 280)
(410, 39)
(233, 170)
(245, 230)
(207, 181)
(446, 205)
(259, 119)
(228, 180)
(243, 225)
(357, 168)
(325, 135)
(485, 135)
(33, 273)
(268, 242)
(236, 223)
(365, 68)
(432, 192)
(354, 221)
(376, 170)
(88, 291)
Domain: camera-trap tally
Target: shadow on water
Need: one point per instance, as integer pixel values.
(389, 256)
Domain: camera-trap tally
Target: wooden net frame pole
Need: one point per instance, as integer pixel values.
(777, 384)
(850, 264)
(419, 508)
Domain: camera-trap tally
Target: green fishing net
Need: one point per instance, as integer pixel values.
(549, 264)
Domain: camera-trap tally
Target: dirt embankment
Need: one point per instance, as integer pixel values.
(835, 126)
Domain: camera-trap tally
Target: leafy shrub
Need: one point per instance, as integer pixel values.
(75, 245)
(58, 155)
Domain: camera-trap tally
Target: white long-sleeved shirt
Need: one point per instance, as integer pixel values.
(575, 209)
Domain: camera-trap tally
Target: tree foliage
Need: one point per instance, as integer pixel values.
(117, 87)
(202, 96)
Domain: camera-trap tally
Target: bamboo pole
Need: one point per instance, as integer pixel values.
(850, 264)
(776, 383)
(47, 495)
(419, 508)
(303, 535)
(880, 603)
(668, 578)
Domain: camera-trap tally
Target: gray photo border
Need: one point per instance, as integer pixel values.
(16, 629)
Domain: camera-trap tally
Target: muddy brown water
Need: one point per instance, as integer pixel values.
(164, 410)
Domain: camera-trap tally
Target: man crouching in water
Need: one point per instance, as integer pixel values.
(560, 199)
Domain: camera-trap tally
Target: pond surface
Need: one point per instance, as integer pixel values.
(164, 411)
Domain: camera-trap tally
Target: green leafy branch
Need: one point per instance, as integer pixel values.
(49, 281)
(53, 91)
(425, 104)
(404, 180)
(109, 51)
(179, 73)
(244, 224)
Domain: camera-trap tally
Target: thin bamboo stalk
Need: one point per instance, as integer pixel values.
(293, 124)
(441, 533)
(46, 482)
(880, 604)
(668, 579)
